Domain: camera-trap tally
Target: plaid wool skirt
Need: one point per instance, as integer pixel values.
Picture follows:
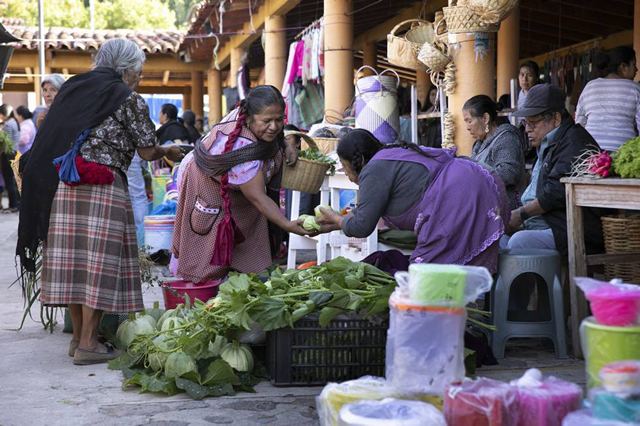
(90, 257)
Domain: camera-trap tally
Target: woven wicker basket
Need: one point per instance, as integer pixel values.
(491, 11)
(326, 145)
(434, 55)
(622, 235)
(305, 175)
(403, 50)
(15, 165)
(461, 19)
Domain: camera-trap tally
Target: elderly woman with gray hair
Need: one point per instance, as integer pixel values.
(50, 87)
(81, 212)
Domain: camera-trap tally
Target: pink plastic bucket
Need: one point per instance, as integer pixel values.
(203, 291)
(615, 308)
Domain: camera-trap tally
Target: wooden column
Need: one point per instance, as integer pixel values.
(275, 50)
(636, 30)
(508, 51)
(215, 96)
(369, 57)
(186, 98)
(234, 63)
(472, 78)
(197, 87)
(423, 85)
(338, 57)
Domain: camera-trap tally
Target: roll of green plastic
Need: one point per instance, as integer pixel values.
(437, 284)
(603, 344)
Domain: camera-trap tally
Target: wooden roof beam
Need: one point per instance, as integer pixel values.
(247, 35)
(380, 31)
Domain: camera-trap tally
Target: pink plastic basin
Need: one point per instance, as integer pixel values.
(615, 308)
(203, 291)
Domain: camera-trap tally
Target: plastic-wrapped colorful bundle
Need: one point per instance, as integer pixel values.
(481, 402)
(390, 412)
(622, 377)
(612, 303)
(586, 418)
(545, 402)
(609, 406)
(335, 395)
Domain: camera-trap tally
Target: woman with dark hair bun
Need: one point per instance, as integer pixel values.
(609, 107)
(456, 208)
(498, 146)
(225, 219)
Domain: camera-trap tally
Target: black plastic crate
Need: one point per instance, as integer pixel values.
(309, 355)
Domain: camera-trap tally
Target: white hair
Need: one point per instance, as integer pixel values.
(121, 55)
(55, 80)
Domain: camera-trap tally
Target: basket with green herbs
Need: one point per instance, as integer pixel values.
(309, 171)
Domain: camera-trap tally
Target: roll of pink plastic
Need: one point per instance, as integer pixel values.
(548, 404)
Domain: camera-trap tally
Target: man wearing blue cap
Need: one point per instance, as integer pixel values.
(559, 141)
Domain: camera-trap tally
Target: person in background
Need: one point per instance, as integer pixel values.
(50, 87)
(27, 128)
(189, 119)
(430, 129)
(90, 260)
(609, 107)
(498, 146)
(528, 76)
(171, 130)
(405, 121)
(11, 128)
(199, 124)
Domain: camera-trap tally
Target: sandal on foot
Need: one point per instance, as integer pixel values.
(85, 357)
(73, 345)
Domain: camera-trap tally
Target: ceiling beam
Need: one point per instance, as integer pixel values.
(380, 31)
(247, 35)
(566, 15)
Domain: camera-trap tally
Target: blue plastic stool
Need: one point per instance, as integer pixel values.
(511, 265)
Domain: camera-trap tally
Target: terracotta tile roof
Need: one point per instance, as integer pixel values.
(159, 41)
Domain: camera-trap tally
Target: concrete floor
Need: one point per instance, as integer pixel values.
(41, 386)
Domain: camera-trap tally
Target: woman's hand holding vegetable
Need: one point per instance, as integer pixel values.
(330, 220)
(296, 227)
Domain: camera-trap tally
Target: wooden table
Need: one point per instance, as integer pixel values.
(589, 192)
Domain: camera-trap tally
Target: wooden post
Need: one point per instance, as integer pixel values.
(234, 65)
(197, 86)
(275, 50)
(423, 85)
(369, 57)
(508, 51)
(473, 77)
(215, 96)
(636, 29)
(338, 57)
(186, 98)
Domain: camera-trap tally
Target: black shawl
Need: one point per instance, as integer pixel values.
(83, 102)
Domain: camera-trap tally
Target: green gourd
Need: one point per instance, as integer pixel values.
(157, 358)
(238, 356)
(215, 347)
(179, 363)
(155, 312)
(131, 328)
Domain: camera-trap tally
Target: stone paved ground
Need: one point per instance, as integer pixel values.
(41, 386)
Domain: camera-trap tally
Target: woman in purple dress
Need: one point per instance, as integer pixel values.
(456, 207)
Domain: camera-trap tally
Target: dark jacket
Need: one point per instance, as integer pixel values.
(568, 143)
(171, 131)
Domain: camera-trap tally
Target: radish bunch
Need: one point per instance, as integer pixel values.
(599, 164)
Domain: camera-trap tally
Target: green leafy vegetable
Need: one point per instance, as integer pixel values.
(318, 156)
(626, 160)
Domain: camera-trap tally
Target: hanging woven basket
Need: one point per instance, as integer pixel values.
(434, 55)
(461, 19)
(490, 11)
(403, 50)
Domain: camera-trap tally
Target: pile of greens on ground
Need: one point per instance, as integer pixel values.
(626, 160)
(196, 350)
(317, 155)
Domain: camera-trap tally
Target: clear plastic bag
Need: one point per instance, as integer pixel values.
(335, 395)
(443, 285)
(609, 406)
(585, 418)
(612, 303)
(390, 412)
(481, 402)
(425, 347)
(545, 402)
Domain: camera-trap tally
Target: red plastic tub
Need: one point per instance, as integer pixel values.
(203, 291)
